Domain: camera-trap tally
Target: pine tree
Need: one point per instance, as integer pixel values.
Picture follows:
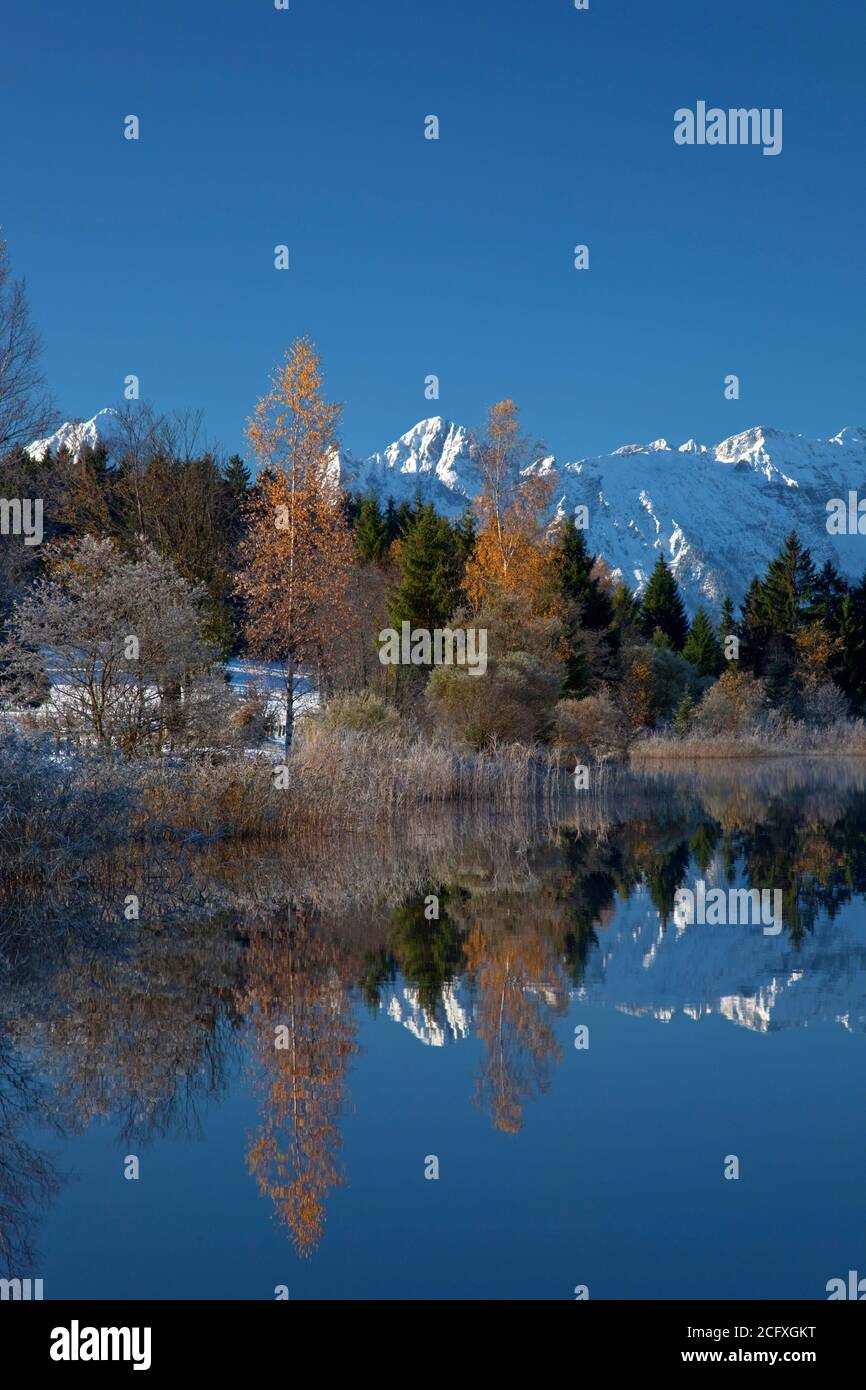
(702, 646)
(429, 590)
(753, 629)
(727, 621)
(663, 607)
(788, 594)
(577, 676)
(851, 666)
(465, 534)
(683, 716)
(830, 590)
(574, 565)
(780, 687)
(371, 532)
(236, 487)
(236, 476)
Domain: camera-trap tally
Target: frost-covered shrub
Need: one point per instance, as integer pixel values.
(53, 802)
(822, 704)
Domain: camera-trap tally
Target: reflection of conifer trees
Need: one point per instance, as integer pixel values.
(703, 843)
(666, 873)
(513, 976)
(297, 980)
(427, 951)
(593, 869)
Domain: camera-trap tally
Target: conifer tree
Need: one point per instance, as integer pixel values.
(626, 609)
(574, 565)
(851, 665)
(788, 593)
(683, 716)
(830, 590)
(465, 533)
(371, 532)
(663, 607)
(753, 629)
(429, 589)
(702, 646)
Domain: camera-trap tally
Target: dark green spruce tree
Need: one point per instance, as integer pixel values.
(574, 565)
(850, 672)
(789, 592)
(371, 532)
(702, 647)
(429, 590)
(663, 608)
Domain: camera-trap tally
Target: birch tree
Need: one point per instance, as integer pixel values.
(297, 554)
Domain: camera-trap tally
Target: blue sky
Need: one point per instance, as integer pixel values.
(455, 257)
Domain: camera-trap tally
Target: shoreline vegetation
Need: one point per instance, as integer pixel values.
(62, 810)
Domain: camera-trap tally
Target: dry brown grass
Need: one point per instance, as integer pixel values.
(341, 777)
(846, 739)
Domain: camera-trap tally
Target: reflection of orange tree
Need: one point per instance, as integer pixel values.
(295, 985)
(517, 977)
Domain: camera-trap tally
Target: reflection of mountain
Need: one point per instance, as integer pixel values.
(450, 1023)
(647, 969)
(756, 981)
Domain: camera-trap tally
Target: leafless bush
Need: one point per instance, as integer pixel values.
(592, 728)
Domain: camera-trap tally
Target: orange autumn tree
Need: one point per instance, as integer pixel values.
(515, 975)
(298, 996)
(511, 552)
(296, 557)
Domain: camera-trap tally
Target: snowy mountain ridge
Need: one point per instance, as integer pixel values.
(719, 513)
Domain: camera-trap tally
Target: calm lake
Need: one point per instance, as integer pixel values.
(323, 1085)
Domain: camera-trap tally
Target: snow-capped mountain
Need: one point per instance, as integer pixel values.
(77, 435)
(718, 513)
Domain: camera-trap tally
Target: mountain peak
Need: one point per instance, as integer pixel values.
(76, 436)
(719, 512)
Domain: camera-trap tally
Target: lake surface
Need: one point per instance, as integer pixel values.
(289, 1042)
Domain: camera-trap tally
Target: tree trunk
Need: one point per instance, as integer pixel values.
(290, 701)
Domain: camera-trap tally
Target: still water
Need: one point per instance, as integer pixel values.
(289, 1046)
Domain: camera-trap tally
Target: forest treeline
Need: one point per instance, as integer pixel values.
(160, 559)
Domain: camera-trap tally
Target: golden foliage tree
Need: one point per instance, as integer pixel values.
(510, 972)
(637, 692)
(511, 550)
(295, 985)
(296, 557)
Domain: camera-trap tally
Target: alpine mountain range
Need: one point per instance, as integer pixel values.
(719, 513)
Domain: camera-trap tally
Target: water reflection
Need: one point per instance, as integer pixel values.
(255, 969)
